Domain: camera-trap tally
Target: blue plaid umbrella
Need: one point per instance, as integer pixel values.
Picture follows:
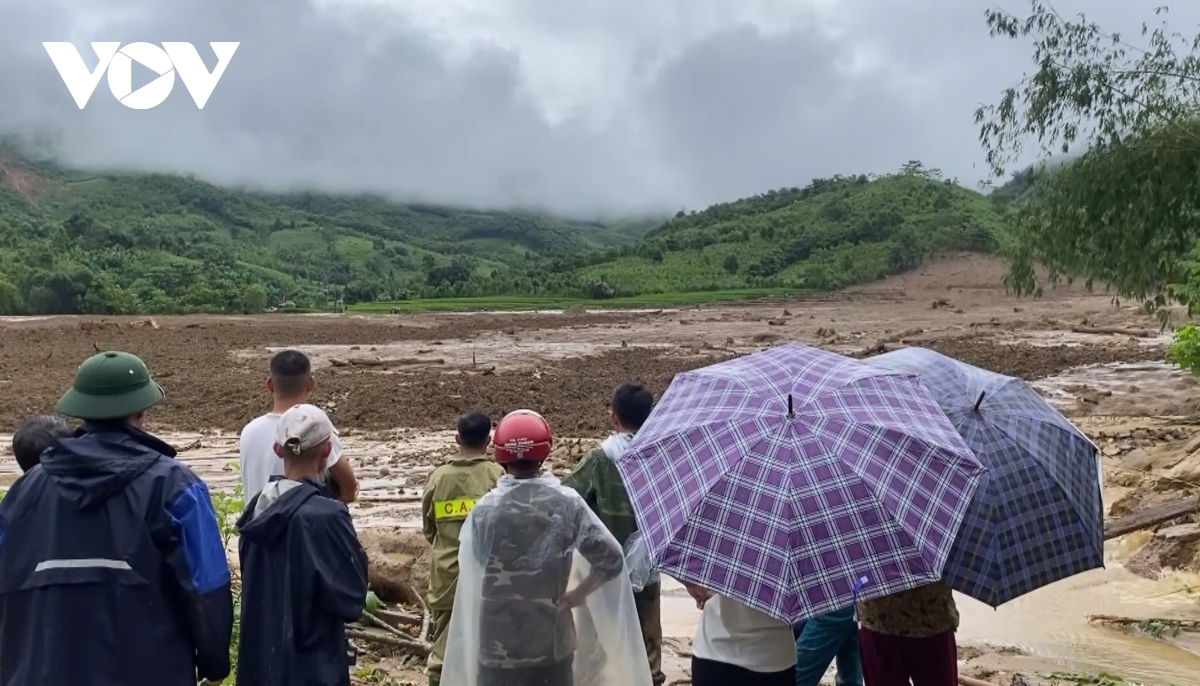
(1037, 516)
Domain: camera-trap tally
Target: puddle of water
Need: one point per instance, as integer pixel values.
(1051, 625)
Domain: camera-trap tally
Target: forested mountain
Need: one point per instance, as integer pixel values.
(112, 243)
(74, 242)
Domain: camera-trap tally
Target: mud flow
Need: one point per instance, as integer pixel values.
(394, 384)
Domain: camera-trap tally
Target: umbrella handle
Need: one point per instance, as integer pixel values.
(858, 586)
(979, 402)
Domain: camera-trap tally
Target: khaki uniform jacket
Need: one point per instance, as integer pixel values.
(450, 494)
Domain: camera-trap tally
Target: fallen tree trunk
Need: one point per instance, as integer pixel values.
(1151, 516)
(377, 362)
(1114, 331)
(1180, 624)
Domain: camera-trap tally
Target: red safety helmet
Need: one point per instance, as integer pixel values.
(522, 436)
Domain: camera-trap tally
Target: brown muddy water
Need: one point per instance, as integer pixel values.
(1046, 631)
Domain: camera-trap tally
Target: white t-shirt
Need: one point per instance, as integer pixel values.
(256, 453)
(735, 634)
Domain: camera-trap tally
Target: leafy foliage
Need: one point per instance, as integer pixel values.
(1125, 211)
(1185, 349)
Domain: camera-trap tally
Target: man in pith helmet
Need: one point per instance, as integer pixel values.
(112, 568)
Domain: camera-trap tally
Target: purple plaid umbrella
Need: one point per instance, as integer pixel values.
(797, 481)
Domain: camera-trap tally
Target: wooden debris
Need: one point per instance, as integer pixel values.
(190, 446)
(1180, 533)
(879, 348)
(377, 362)
(1116, 620)
(399, 618)
(1114, 331)
(1151, 516)
(411, 645)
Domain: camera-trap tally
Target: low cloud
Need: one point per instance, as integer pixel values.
(611, 108)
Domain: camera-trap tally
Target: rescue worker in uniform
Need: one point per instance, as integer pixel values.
(450, 494)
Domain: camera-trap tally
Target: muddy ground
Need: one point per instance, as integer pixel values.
(395, 384)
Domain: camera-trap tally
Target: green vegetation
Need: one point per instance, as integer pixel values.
(124, 243)
(1122, 213)
(831, 234)
(151, 243)
(228, 507)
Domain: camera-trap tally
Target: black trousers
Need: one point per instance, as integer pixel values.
(551, 675)
(709, 673)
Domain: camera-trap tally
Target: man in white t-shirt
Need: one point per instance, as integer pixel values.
(290, 384)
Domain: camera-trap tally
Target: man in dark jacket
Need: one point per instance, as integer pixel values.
(111, 564)
(304, 573)
(33, 436)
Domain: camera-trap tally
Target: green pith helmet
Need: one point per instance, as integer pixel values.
(111, 385)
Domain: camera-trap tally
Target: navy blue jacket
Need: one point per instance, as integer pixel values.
(304, 576)
(112, 569)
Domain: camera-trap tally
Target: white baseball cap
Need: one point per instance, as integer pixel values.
(303, 427)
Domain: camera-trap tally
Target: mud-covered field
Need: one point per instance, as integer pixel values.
(422, 370)
(395, 383)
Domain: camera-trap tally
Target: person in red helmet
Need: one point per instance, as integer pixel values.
(533, 559)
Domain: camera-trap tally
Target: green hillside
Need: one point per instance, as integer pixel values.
(73, 242)
(830, 234)
(115, 243)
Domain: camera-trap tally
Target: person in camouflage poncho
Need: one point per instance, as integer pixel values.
(544, 598)
(596, 479)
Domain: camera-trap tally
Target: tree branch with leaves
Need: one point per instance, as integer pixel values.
(1125, 211)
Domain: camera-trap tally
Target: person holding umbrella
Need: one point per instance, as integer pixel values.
(1036, 518)
(798, 482)
(908, 638)
(823, 639)
(736, 644)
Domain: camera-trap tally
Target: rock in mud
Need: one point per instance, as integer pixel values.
(397, 563)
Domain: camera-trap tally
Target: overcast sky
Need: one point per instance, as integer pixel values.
(576, 106)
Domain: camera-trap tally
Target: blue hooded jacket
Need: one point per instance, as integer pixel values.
(112, 569)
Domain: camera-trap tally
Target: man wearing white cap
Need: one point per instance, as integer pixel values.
(304, 572)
